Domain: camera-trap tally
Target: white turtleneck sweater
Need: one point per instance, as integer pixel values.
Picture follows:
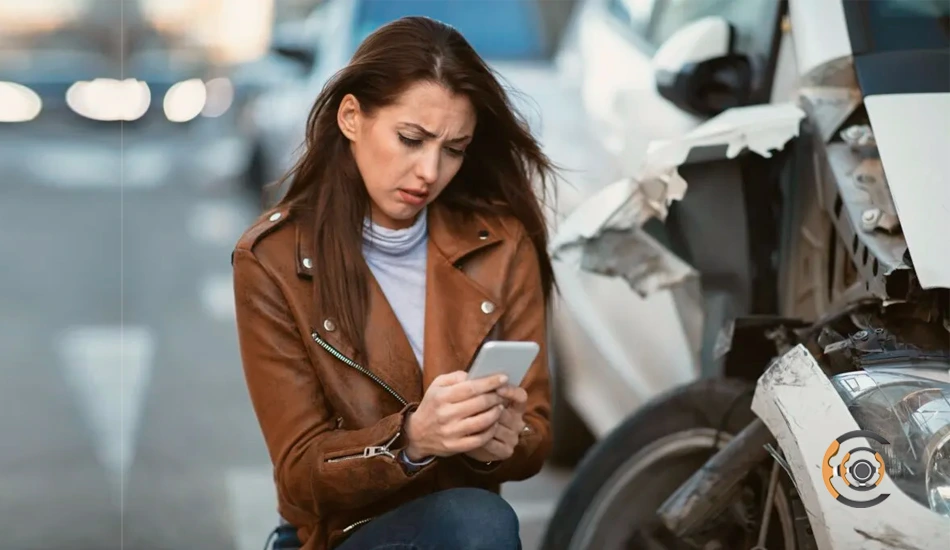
(397, 258)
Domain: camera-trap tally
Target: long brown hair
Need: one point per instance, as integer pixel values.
(502, 164)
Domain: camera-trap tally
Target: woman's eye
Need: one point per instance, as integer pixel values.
(455, 152)
(409, 142)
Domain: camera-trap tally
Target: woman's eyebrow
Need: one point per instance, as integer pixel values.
(429, 134)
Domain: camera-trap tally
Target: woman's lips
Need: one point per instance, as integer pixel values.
(413, 197)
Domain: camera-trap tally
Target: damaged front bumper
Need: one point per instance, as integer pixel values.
(807, 415)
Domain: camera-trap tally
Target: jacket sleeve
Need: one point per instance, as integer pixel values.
(316, 465)
(525, 318)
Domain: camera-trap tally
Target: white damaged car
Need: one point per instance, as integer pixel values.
(799, 246)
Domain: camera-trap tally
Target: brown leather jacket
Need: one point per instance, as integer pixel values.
(332, 422)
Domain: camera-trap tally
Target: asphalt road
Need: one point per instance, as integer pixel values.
(124, 417)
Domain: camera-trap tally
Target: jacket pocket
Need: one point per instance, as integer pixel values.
(368, 452)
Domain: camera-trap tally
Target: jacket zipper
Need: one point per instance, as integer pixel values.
(357, 524)
(369, 452)
(353, 364)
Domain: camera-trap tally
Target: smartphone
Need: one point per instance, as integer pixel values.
(504, 357)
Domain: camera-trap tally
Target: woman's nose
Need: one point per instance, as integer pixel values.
(428, 166)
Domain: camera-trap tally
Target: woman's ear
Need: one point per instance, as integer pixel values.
(347, 116)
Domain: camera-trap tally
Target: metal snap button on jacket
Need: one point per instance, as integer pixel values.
(329, 326)
(488, 307)
(307, 263)
(274, 217)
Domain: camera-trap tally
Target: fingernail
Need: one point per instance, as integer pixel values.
(503, 379)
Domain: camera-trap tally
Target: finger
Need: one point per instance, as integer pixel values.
(450, 379)
(473, 406)
(509, 418)
(471, 388)
(515, 394)
(472, 442)
(475, 424)
(499, 449)
(513, 418)
(507, 435)
(518, 407)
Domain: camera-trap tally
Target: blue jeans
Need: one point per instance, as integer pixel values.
(457, 519)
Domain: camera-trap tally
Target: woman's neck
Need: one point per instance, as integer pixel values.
(394, 241)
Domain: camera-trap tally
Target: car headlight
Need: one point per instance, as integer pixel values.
(18, 103)
(109, 100)
(219, 97)
(185, 100)
(909, 406)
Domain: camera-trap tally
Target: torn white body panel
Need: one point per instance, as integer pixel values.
(913, 141)
(608, 223)
(622, 205)
(798, 403)
(630, 254)
(758, 128)
(644, 342)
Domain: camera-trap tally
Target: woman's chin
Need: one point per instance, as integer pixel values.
(399, 216)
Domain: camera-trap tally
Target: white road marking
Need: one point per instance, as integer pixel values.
(218, 223)
(252, 503)
(109, 368)
(217, 296)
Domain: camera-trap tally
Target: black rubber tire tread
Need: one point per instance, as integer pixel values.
(703, 403)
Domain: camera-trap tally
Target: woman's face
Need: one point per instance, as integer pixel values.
(409, 151)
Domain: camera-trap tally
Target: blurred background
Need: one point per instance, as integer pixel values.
(135, 139)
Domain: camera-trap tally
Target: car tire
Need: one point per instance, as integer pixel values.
(717, 405)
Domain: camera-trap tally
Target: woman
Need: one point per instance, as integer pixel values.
(411, 235)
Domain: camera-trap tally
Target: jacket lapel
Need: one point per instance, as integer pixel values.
(459, 312)
(389, 355)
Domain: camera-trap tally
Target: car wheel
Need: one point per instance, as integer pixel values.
(612, 500)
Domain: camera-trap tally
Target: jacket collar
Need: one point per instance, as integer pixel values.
(454, 235)
(457, 235)
(305, 248)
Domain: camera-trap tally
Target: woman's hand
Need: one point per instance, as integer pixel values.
(456, 415)
(510, 425)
